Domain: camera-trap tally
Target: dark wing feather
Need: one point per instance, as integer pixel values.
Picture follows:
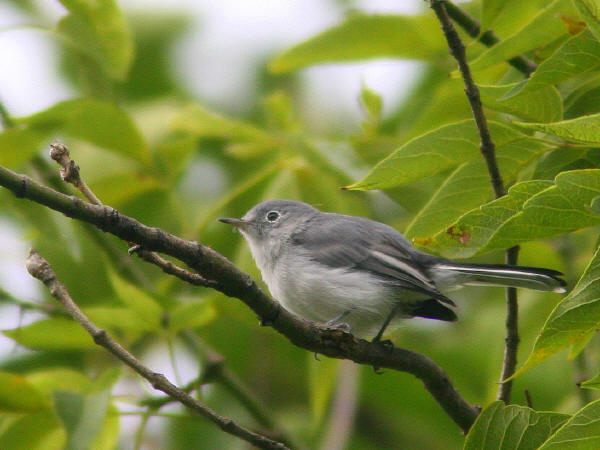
(337, 240)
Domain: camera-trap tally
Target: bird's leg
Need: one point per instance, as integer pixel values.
(377, 338)
(336, 322)
(386, 322)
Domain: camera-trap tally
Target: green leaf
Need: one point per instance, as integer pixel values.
(545, 27)
(124, 319)
(371, 102)
(59, 378)
(148, 311)
(584, 129)
(432, 153)
(572, 319)
(540, 104)
(100, 123)
(469, 186)
(512, 427)
(590, 11)
(82, 416)
(581, 431)
(578, 55)
(592, 383)
(99, 30)
(532, 210)
(191, 315)
(466, 188)
(17, 395)
(202, 123)
(366, 37)
(18, 145)
(41, 431)
(52, 334)
(507, 16)
(473, 230)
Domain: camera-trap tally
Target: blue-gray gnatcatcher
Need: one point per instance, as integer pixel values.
(362, 274)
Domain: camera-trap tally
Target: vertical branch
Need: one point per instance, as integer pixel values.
(511, 341)
(487, 148)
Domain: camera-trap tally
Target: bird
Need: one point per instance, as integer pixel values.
(361, 275)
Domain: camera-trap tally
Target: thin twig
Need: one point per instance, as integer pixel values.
(39, 268)
(487, 148)
(487, 38)
(232, 282)
(70, 173)
(457, 49)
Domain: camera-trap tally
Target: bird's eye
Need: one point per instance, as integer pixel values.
(272, 216)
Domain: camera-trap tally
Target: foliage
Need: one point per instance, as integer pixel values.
(149, 148)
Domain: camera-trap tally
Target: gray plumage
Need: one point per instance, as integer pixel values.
(333, 268)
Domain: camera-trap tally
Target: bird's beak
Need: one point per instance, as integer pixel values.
(238, 223)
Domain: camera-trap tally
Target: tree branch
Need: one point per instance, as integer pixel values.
(511, 341)
(39, 268)
(487, 38)
(487, 148)
(70, 174)
(229, 280)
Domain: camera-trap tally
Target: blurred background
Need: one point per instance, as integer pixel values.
(218, 132)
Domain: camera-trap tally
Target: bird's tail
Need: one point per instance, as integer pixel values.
(450, 274)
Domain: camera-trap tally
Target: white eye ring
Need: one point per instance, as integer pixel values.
(272, 216)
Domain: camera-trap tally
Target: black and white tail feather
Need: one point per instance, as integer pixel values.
(452, 274)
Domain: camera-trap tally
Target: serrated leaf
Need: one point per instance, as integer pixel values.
(191, 315)
(581, 431)
(572, 319)
(97, 122)
(512, 427)
(148, 311)
(18, 145)
(366, 37)
(52, 334)
(82, 416)
(585, 129)
(540, 104)
(590, 11)
(545, 27)
(99, 30)
(432, 153)
(532, 210)
(17, 395)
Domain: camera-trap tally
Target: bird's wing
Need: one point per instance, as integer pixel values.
(342, 241)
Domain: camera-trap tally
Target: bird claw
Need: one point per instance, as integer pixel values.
(344, 326)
